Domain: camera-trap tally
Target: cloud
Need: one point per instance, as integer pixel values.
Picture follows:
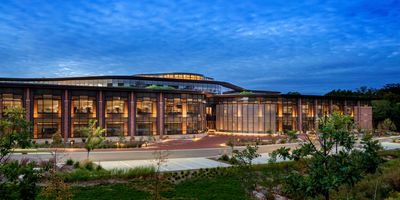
(305, 46)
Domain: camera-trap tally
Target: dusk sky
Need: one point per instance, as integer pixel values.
(306, 46)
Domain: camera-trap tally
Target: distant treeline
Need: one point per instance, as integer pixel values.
(386, 105)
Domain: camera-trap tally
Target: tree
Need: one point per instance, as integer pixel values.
(330, 161)
(17, 179)
(292, 135)
(94, 136)
(387, 125)
(15, 131)
(244, 160)
(157, 178)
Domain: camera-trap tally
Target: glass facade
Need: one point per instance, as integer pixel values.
(323, 108)
(83, 109)
(338, 106)
(116, 115)
(135, 83)
(307, 114)
(247, 115)
(47, 113)
(146, 114)
(10, 98)
(184, 114)
(289, 114)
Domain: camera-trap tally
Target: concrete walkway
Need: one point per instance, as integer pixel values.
(177, 164)
(173, 164)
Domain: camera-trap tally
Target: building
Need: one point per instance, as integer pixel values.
(166, 104)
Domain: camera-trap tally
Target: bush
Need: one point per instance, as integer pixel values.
(224, 157)
(76, 165)
(69, 161)
(57, 139)
(83, 174)
(19, 180)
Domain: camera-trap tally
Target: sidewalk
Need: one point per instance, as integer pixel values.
(176, 164)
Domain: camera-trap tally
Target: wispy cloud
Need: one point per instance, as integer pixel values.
(278, 45)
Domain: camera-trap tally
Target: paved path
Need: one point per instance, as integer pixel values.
(174, 164)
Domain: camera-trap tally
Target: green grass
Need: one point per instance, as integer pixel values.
(220, 188)
(85, 175)
(106, 192)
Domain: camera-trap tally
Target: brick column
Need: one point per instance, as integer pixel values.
(27, 104)
(66, 114)
(100, 116)
(299, 116)
(132, 114)
(160, 116)
(315, 114)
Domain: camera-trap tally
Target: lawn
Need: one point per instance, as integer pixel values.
(199, 188)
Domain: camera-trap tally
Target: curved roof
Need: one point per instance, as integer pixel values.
(134, 77)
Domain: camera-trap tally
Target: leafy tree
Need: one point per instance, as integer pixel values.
(94, 136)
(15, 131)
(331, 160)
(381, 110)
(292, 135)
(244, 160)
(387, 125)
(17, 179)
(369, 155)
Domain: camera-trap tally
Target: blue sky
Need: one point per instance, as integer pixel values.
(306, 46)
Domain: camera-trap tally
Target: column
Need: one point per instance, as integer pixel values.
(279, 105)
(299, 116)
(100, 106)
(315, 114)
(330, 106)
(160, 117)
(184, 116)
(65, 118)
(132, 114)
(27, 104)
(345, 107)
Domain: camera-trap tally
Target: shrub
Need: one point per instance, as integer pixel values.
(56, 188)
(387, 125)
(19, 180)
(76, 165)
(84, 174)
(69, 161)
(224, 157)
(57, 139)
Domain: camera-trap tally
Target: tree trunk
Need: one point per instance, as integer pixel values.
(326, 195)
(87, 155)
